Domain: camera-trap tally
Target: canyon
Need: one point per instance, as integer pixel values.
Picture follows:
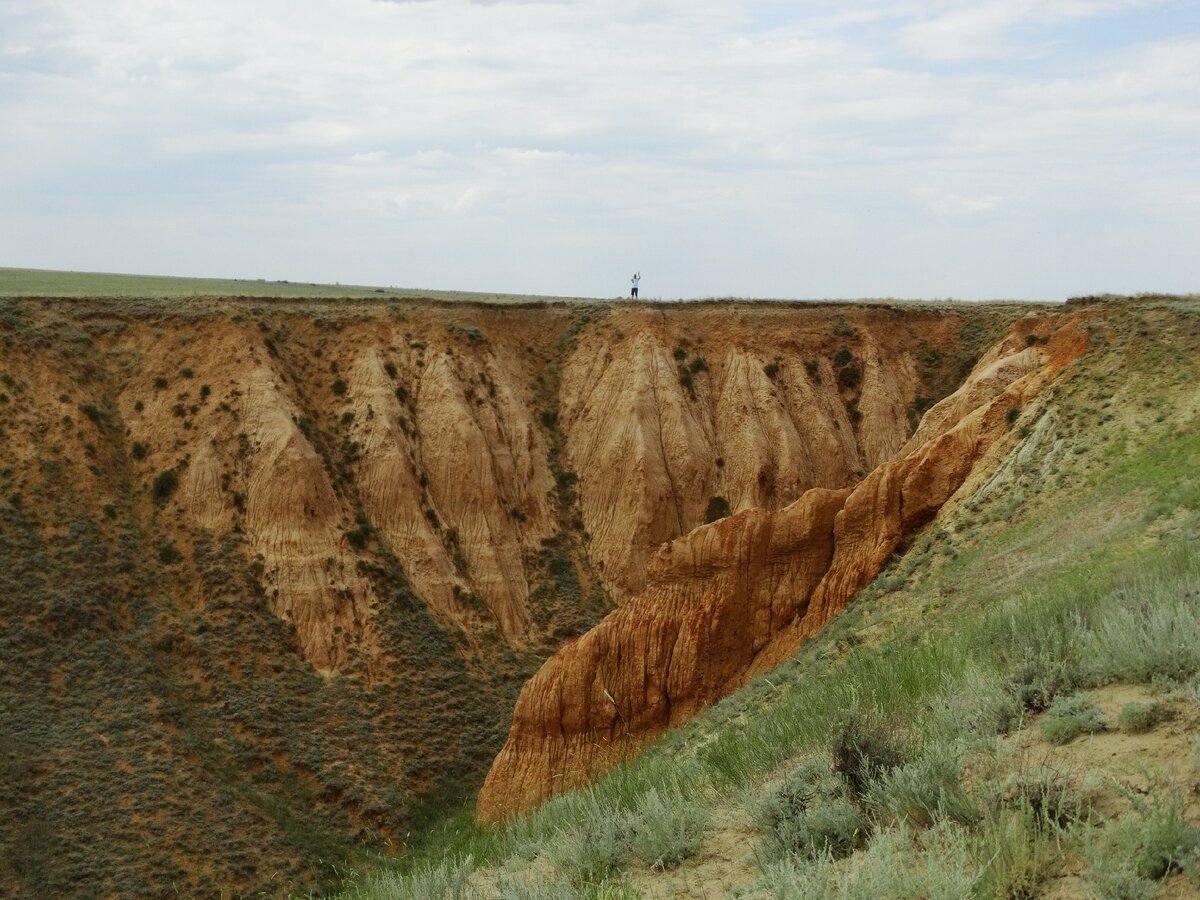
(269, 562)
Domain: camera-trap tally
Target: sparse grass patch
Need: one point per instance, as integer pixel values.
(926, 789)
(1136, 718)
(667, 827)
(935, 865)
(810, 814)
(1141, 848)
(595, 849)
(1069, 717)
(445, 881)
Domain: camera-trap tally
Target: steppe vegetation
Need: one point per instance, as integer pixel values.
(1011, 710)
(53, 283)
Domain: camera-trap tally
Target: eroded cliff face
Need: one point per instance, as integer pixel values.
(464, 441)
(738, 596)
(323, 544)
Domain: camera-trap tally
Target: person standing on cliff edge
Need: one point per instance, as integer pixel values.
(637, 276)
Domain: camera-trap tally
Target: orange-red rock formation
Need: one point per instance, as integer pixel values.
(738, 596)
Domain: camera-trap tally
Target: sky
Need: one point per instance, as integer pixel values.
(1029, 149)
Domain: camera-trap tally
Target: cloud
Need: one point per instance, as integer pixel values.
(755, 148)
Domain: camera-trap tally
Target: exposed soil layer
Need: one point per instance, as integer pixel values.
(272, 572)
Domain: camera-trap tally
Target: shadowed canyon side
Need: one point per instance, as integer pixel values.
(272, 562)
(738, 596)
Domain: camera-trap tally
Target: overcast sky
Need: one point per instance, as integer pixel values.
(997, 148)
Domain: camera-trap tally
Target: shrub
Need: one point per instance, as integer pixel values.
(849, 376)
(160, 384)
(667, 828)
(925, 790)
(978, 704)
(531, 887)
(1154, 632)
(164, 485)
(863, 749)
(1152, 841)
(718, 508)
(1069, 717)
(842, 328)
(771, 370)
(813, 368)
(186, 372)
(138, 451)
(338, 387)
(169, 554)
(594, 850)
(898, 864)
(843, 357)
(1011, 416)
(1138, 717)
(699, 364)
(811, 814)
(445, 881)
(205, 391)
(1040, 678)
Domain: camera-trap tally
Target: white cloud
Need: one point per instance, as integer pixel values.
(720, 146)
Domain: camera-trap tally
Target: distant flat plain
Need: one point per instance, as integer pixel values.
(54, 283)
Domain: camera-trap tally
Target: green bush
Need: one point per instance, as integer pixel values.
(926, 789)
(1138, 717)
(1153, 632)
(810, 814)
(863, 748)
(1069, 717)
(138, 451)
(338, 387)
(667, 828)
(595, 849)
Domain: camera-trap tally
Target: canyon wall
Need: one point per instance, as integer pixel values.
(738, 596)
(269, 562)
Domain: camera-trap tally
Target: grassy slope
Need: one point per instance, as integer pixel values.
(994, 611)
(53, 283)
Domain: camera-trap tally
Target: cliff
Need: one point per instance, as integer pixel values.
(737, 596)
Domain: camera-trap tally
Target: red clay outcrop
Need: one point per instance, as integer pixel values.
(736, 597)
